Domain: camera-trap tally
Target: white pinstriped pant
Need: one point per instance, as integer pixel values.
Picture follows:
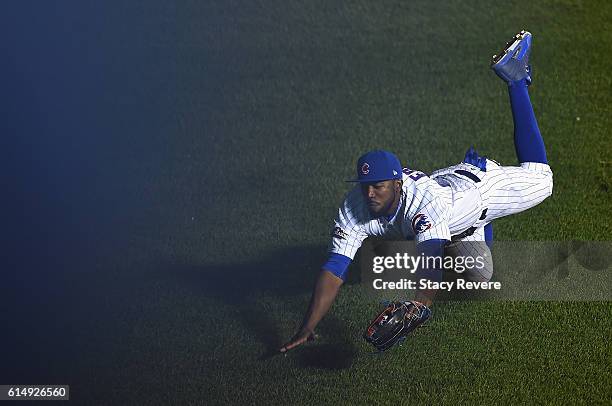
(505, 190)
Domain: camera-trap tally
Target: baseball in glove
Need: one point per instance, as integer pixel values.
(395, 322)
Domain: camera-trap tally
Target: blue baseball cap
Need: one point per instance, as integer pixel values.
(376, 166)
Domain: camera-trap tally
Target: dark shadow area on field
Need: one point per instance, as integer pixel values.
(335, 355)
(281, 274)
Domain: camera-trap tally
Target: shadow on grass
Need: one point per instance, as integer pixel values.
(281, 275)
(327, 356)
(78, 318)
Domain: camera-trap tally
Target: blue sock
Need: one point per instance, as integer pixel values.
(488, 232)
(527, 138)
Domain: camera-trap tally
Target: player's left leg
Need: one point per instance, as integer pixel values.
(488, 235)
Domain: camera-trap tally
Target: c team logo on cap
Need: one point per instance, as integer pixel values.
(365, 168)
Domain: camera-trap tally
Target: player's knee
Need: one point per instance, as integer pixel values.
(549, 184)
(545, 180)
(476, 260)
(479, 274)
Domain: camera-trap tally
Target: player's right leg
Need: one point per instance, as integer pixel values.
(512, 65)
(474, 246)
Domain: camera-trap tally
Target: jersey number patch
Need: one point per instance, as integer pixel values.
(414, 175)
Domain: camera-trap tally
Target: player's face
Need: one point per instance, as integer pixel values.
(381, 197)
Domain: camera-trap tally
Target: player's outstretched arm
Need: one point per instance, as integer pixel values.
(325, 292)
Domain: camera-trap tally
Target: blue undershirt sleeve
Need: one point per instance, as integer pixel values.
(338, 265)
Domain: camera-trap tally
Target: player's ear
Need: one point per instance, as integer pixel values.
(398, 185)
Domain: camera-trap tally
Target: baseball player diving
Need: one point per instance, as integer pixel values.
(440, 212)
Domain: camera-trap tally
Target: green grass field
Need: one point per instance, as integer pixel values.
(274, 101)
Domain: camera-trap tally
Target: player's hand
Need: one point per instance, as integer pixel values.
(300, 338)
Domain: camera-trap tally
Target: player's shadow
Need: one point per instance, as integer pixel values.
(327, 356)
(280, 275)
(337, 353)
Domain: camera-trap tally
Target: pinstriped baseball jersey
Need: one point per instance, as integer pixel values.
(444, 204)
(425, 212)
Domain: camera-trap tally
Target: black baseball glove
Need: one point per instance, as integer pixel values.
(395, 322)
